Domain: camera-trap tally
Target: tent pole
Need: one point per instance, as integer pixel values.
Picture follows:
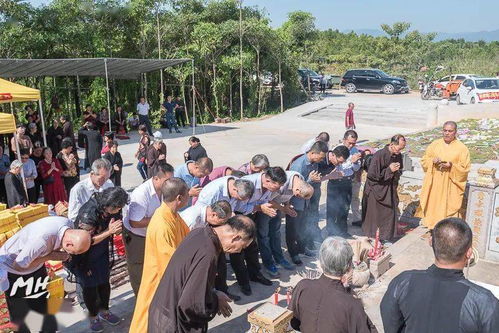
(78, 107)
(11, 108)
(43, 123)
(107, 91)
(193, 101)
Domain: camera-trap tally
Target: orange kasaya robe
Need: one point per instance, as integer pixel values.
(443, 191)
(165, 232)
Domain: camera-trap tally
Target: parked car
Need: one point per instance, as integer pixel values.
(374, 80)
(454, 77)
(305, 74)
(478, 90)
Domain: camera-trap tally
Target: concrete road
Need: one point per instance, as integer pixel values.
(280, 137)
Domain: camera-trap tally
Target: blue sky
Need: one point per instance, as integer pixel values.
(425, 15)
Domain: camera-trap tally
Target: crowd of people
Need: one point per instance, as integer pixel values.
(182, 224)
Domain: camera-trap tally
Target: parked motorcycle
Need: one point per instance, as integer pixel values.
(430, 89)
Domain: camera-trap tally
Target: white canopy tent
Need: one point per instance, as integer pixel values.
(115, 68)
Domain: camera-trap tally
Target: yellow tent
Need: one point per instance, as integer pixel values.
(12, 92)
(7, 123)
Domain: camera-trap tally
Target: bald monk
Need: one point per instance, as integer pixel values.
(269, 227)
(186, 300)
(22, 265)
(164, 233)
(446, 163)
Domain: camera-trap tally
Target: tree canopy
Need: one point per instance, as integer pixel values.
(209, 32)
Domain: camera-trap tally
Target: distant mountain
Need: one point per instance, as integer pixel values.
(487, 36)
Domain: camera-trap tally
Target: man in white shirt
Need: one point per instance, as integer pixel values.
(144, 201)
(143, 111)
(22, 265)
(226, 188)
(199, 216)
(339, 191)
(98, 181)
(215, 215)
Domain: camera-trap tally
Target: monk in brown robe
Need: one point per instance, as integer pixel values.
(186, 299)
(380, 200)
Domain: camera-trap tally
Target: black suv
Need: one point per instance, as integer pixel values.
(305, 74)
(373, 79)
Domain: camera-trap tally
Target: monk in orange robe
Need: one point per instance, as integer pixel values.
(446, 163)
(165, 232)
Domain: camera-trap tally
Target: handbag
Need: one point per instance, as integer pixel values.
(48, 180)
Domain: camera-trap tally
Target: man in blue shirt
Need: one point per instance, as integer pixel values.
(169, 106)
(191, 173)
(299, 228)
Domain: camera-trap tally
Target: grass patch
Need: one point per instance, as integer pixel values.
(481, 136)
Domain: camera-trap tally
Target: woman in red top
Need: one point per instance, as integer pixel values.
(50, 170)
(349, 122)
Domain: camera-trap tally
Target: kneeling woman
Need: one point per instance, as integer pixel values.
(101, 216)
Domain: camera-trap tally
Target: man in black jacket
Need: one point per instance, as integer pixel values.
(440, 299)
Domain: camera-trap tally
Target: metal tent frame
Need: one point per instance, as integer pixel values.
(116, 68)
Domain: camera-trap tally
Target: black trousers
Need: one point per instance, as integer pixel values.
(135, 248)
(19, 306)
(296, 235)
(180, 117)
(145, 120)
(221, 279)
(32, 195)
(245, 264)
(97, 298)
(3, 192)
(339, 197)
(69, 182)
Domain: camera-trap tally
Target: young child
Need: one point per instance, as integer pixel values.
(108, 140)
(349, 121)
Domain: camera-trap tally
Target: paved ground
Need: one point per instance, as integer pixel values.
(280, 137)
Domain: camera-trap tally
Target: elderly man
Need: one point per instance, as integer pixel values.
(144, 201)
(246, 265)
(218, 172)
(98, 181)
(380, 200)
(339, 186)
(440, 298)
(234, 191)
(227, 188)
(165, 232)
(323, 136)
(192, 172)
(299, 228)
(335, 309)
(269, 227)
(258, 163)
(185, 300)
(446, 163)
(199, 216)
(23, 258)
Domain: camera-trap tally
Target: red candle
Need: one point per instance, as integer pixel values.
(276, 298)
